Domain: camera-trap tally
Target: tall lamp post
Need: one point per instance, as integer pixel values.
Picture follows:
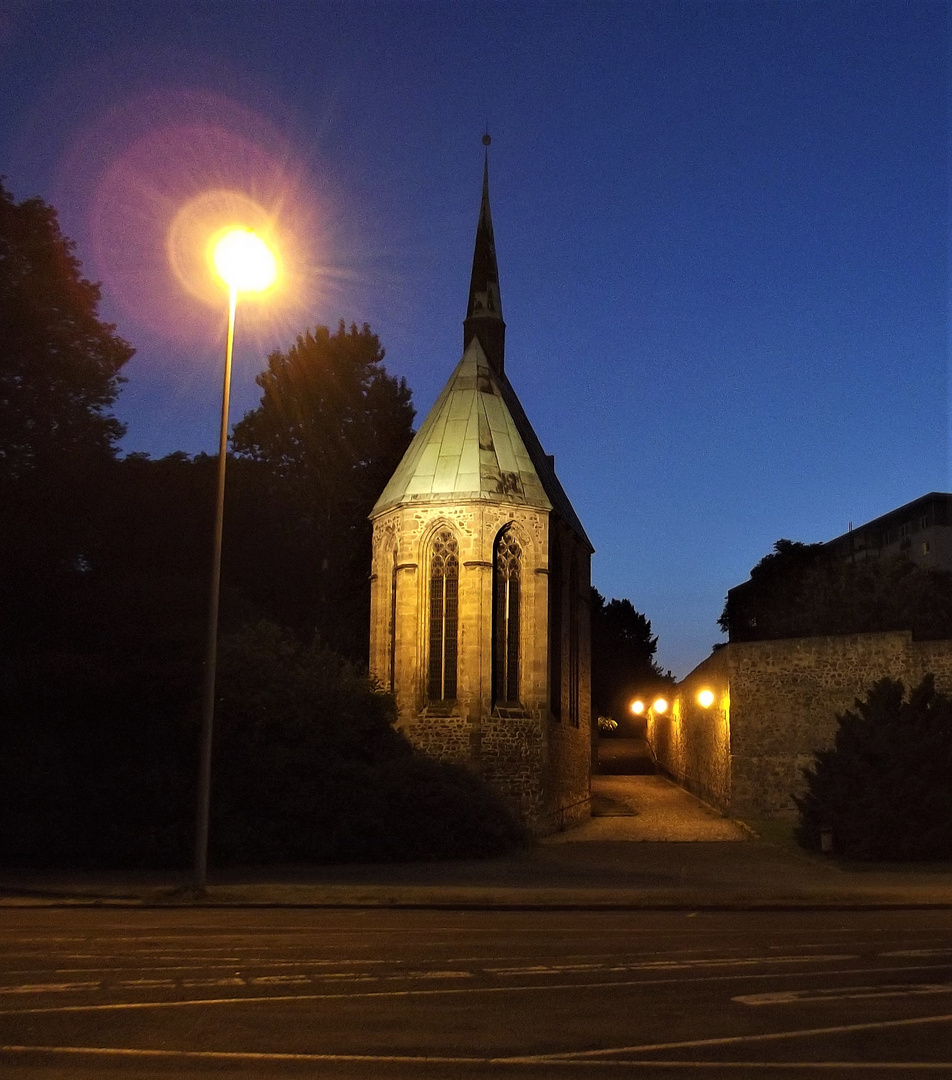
(245, 263)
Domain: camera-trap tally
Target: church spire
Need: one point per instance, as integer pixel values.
(484, 311)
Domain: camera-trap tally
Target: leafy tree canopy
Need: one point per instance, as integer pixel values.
(315, 455)
(331, 419)
(804, 589)
(59, 364)
(883, 787)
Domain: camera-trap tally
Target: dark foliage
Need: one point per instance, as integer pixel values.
(308, 767)
(59, 365)
(331, 429)
(59, 376)
(104, 593)
(623, 650)
(801, 590)
(883, 787)
(100, 769)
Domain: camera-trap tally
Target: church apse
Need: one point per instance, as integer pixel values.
(480, 584)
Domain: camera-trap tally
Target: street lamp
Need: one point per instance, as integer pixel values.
(245, 263)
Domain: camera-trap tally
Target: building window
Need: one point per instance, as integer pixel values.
(506, 618)
(444, 616)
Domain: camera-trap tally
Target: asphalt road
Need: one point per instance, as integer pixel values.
(377, 993)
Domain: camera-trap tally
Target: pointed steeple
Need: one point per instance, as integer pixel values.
(484, 310)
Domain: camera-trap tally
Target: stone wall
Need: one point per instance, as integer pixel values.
(691, 742)
(776, 704)
(511, 757)
(569, 787)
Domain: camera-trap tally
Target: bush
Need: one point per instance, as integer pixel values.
(98, 763)
(309, 768)
(884, 787)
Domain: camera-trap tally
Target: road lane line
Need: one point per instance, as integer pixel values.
(241, 1055)
(503, 989)
(673, 965)
(435, 1059)
(50, 988)
(844, 993)
(733, 1040)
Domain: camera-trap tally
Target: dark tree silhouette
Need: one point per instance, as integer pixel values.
(59, 377)
(883, 787)
(316, 454)
(59, 364)
(623, 650)
(804, 589)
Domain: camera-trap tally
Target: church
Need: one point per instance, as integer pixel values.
(480, 585)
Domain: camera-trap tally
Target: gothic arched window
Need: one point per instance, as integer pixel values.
(506, 618)
(444, 616)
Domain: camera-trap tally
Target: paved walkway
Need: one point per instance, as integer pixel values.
(637, 808)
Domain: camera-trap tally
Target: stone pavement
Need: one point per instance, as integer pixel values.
(649, 846)
(650, 808)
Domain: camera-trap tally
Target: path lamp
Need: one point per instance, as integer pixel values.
(245, 263)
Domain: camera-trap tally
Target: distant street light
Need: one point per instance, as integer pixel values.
(637, 707)
(659, 705)
(706, 699)
(245, 263)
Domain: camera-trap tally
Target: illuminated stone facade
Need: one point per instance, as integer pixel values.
(775, 704)
(480, 585)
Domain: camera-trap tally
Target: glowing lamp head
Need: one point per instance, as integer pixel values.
(659, 705)
(637, 707)
(706, 699)
(245, 262)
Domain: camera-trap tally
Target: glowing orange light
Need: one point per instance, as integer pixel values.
(637, 707)
(706, 699)
(245, 262)
(659, 705)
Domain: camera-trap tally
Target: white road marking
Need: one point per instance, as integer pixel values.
(430, 1059)
(233, 981)
(844, 993)
(50, 988)
(280, 980)
(733, 1040)
(669, 965)
(906, 953)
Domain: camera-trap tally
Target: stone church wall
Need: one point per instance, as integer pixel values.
(539, 765)
(776, 704)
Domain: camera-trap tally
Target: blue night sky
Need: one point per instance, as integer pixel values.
(722, 230)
